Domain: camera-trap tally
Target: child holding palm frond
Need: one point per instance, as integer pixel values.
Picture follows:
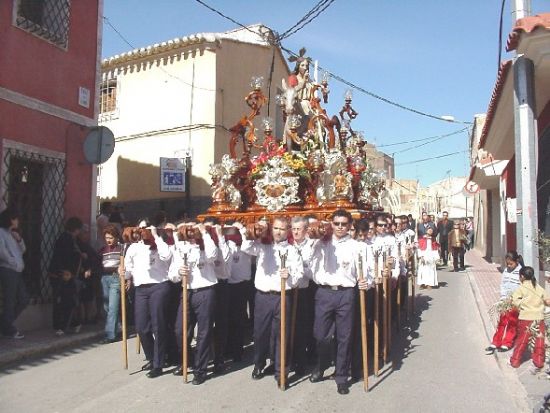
(530, 298)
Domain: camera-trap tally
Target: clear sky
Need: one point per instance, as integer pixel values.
(438, 57)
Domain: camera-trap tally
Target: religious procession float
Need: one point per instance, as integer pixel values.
(317, 166)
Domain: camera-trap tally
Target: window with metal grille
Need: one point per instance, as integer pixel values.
(107, 96)
(48, 19)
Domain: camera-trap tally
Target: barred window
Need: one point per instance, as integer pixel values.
(48, 19)
(107, 96)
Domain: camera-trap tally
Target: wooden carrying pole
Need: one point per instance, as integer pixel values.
(122, 281)
(363, 308)
(399, 289)
(409, 286)
(414, 273)
(385, 300)
(184, 321)
(282, 372)
(389, 303)
(138, 344)
(376, 315)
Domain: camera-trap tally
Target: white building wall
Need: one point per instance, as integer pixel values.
(153, 97)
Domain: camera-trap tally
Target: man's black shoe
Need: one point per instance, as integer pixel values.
(269, 370)
(316, 377)
(157, 371)
(300, 371)
(218, 368)
(199, 379)
(343, 388)
(257, 374)
(147, 366)
(178, 371)
(108, 340)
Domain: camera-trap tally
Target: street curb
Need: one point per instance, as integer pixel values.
(516, 388)
(41, 349)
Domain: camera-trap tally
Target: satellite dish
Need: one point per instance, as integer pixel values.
(99, 145)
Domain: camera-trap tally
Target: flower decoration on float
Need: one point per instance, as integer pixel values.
(279, 158)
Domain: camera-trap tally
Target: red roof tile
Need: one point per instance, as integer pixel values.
(497, 91)
(527, 25)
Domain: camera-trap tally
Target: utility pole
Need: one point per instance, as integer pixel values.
(526, 142)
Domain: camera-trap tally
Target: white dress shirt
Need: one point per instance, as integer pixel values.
(387, 244)
(222, 264)
(201, 262)
(241, 264)
(305, 250)
(269, 263)
(144, 265)
(336, 262)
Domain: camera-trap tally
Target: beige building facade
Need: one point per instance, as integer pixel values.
(178, 99)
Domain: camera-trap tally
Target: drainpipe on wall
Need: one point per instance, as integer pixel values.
(526, 141)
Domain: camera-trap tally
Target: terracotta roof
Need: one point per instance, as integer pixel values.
(527, 25)
(495, 97)
(254, 34)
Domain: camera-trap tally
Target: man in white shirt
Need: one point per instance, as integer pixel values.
(194, 259)
(238, 287)
(404, 237)
(303, 333)
(335, 273)
(149, 274)
(222, 268)
(269, 272)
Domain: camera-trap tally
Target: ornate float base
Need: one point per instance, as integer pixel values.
(322, 214)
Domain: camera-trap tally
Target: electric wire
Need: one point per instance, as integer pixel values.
(429, 159)
(339, 78)
(315, 12)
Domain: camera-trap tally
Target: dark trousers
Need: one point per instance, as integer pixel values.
(338, 308)
(458, 257)
(15, 299)
(201, 305)
(172, 351)
(237, 318)
(151, 305)
(303, 333)
(267, 322)
(444, 254)
(221, 320)
(65, 302)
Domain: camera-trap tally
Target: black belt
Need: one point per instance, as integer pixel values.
(334, 287)
(273, 292)
(196, 290)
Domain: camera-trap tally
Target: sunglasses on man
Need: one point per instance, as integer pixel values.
(340, 224)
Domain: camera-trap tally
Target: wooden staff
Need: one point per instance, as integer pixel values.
(282, 372)
(414, 273)
(399, 288)
(184, 319)
(376, 254)
(363, 328)
(293, 322)
(138, 344)
(408, 261)
(386, 299)
(122, 280)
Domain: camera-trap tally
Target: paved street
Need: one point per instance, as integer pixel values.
(438, 367)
